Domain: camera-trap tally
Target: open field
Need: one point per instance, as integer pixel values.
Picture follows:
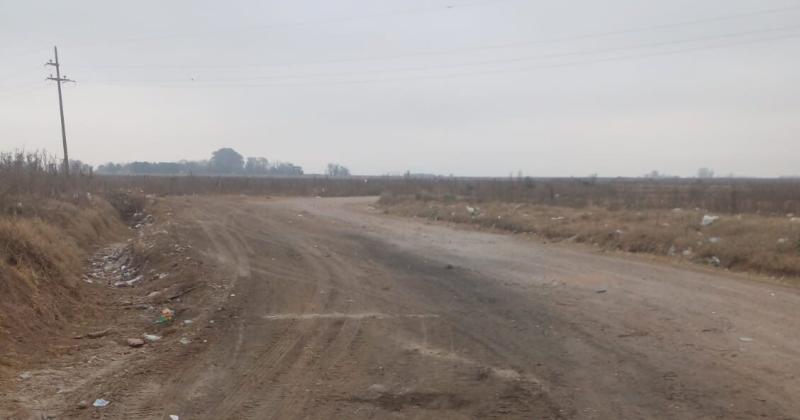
(323, 308)
(730, 196)
(37, 174)
(768, 245)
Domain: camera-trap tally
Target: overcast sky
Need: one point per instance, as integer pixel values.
(464, 87)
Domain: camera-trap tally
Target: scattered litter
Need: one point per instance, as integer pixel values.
(188, 321)
(472, 211)
(135, 342)
(184, 340)
(151, 337)
(708, 220)
(97, 334)
(687, 252)
(100, 403)
(174, 417)
(557, 218)
(746, 339)
(167, 315)
(83, 404)
(25, 375)
(114, 265)
(714, 240)
(128, 283)
(714, 261)
(783, 240)
(233, 294)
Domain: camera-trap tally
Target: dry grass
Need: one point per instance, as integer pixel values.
(47, 228)
(755, 243)
(729, 196)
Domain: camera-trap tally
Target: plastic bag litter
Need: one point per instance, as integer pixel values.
(167, 315)
(100, 403)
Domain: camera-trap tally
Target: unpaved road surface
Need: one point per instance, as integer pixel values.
(338, 312)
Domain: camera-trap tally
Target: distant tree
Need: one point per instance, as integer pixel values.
(78, 167)
(256, 166)
(223, 161)
(109, 168)
(705, 173)
(285, 168)
(226, 161)
(334, 169)
(190, 167)
(140, 168)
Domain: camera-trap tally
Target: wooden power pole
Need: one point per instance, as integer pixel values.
(58, 79)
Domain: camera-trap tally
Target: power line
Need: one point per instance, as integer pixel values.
(498, 61)
(479, 73)
(494, 46)
(323, 21)
(531, 58)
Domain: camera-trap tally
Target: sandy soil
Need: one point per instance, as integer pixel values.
(327, 309)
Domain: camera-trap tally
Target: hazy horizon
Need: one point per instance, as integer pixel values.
(469, 88)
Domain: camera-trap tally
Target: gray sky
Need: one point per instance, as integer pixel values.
(464, 87)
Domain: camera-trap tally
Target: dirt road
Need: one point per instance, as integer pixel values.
(337, 311)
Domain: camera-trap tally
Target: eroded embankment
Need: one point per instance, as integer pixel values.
(91, 313)
(43, 246)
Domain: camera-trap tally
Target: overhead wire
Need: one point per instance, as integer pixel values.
(489, 62)
(322, 21)
(586, 36)
(477, 73)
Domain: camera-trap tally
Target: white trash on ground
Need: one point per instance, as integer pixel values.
(708, 220)
(101, 403)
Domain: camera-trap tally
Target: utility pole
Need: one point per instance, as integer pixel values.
(58, 79)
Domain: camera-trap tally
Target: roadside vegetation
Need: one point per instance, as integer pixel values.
(48, 225)
(767, 244)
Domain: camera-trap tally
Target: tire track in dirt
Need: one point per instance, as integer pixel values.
(335, 313)
(304, 271)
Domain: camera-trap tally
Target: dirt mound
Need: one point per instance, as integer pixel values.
(43, 246)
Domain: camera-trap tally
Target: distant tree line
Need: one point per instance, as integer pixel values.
(334, 169)
(225, 161)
